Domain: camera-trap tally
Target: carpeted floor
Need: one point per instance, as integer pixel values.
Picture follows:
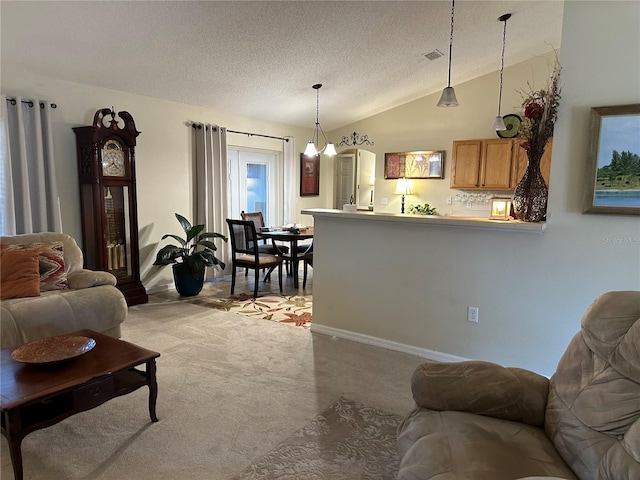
(231, 389)
(348, 441)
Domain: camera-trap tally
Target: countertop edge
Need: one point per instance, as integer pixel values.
(431, 220)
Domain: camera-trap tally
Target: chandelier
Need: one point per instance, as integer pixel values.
(312, 147)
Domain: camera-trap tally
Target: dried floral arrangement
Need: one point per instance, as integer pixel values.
(540, 113)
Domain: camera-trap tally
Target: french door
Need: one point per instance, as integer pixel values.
(255, 183)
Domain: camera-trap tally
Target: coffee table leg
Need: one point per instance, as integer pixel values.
(14, 437)
(153, 389)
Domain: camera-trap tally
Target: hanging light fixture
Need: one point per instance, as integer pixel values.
(448, 98)
(329, 149)
(498, 123)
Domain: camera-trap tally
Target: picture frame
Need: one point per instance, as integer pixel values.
(612, 183)
(421, 164)
(309, 175)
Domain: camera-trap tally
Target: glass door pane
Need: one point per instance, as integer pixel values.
(257, 183)
(253, 184)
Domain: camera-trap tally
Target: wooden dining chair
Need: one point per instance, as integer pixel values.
(245, 253)
(263, 246)
(307, 258)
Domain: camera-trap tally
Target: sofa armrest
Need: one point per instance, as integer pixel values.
(89, 278)
(482, 388)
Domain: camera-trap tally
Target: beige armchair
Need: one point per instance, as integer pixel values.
(477, 420)
(89, 299)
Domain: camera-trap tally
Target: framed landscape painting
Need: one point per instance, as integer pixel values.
(420, 164)
(613, 170)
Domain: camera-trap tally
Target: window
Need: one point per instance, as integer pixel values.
(255, 183)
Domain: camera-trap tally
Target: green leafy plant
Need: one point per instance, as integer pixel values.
(195, 252)
(423, 209)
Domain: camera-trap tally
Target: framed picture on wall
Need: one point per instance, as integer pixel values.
(420, 164)
(309, 175)
(613, 169)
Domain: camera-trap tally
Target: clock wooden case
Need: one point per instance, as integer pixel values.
(106, 168)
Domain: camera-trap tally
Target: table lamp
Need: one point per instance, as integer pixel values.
(403, 187)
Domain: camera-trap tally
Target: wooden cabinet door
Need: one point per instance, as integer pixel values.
(465, 163)
(521, 161)
(497, 164)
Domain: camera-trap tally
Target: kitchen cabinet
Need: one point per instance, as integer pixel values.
(491, 164)
(482, 164)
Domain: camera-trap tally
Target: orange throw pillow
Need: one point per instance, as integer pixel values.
(19, 274)
(53, 273)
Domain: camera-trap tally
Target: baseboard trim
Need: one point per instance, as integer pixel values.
(388, 344)
(161, 288)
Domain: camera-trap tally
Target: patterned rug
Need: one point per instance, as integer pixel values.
(292, 309)
(348, 441)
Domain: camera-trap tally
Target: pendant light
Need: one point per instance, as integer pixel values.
(312, 150)
(498, 123)
(448, 98)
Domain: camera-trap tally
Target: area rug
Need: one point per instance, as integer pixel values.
(348, 441)
(290, 309)
(293, 309)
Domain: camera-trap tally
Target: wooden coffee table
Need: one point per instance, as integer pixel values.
(38, 396)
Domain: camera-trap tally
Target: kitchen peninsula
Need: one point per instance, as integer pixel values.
(405, 282)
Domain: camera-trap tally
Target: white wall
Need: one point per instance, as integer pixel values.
(163, 153)
(412, 285)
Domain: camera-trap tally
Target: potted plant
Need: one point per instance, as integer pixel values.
(190, 258)
(425, 209)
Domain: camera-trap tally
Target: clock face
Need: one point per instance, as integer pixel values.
(113, 159)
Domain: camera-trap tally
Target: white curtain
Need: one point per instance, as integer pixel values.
(211, 192)
(28, 189)
(289, 178)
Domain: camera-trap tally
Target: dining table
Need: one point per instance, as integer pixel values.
(290, 236)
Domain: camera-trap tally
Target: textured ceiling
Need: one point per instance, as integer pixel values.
(261, 58)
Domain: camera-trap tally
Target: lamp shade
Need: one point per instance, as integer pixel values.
(498, 124)
(310, 151)
(448, 98)
(330, 150)
(403, 187)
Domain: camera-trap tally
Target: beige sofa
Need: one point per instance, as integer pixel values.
(90, 301)
(481, 421)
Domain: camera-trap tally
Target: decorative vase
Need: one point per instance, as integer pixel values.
(187, 281)
(530, 195)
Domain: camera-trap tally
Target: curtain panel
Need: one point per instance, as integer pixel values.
(290, 185)
(28, 189)
(211, 187)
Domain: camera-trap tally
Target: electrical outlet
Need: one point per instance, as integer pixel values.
(469, 205)
(384, 200)
(472, 314)
(449, 200)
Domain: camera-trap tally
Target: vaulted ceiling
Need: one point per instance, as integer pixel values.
(261, 58)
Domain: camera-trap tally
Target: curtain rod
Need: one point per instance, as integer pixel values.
(29, 102)
(197, 125)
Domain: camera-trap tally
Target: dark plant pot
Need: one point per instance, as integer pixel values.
(188, 282)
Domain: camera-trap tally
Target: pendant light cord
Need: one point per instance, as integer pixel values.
(504, 41)
(317, 113)
(453, 6)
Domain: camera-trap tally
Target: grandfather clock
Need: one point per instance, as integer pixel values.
(106, 167)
